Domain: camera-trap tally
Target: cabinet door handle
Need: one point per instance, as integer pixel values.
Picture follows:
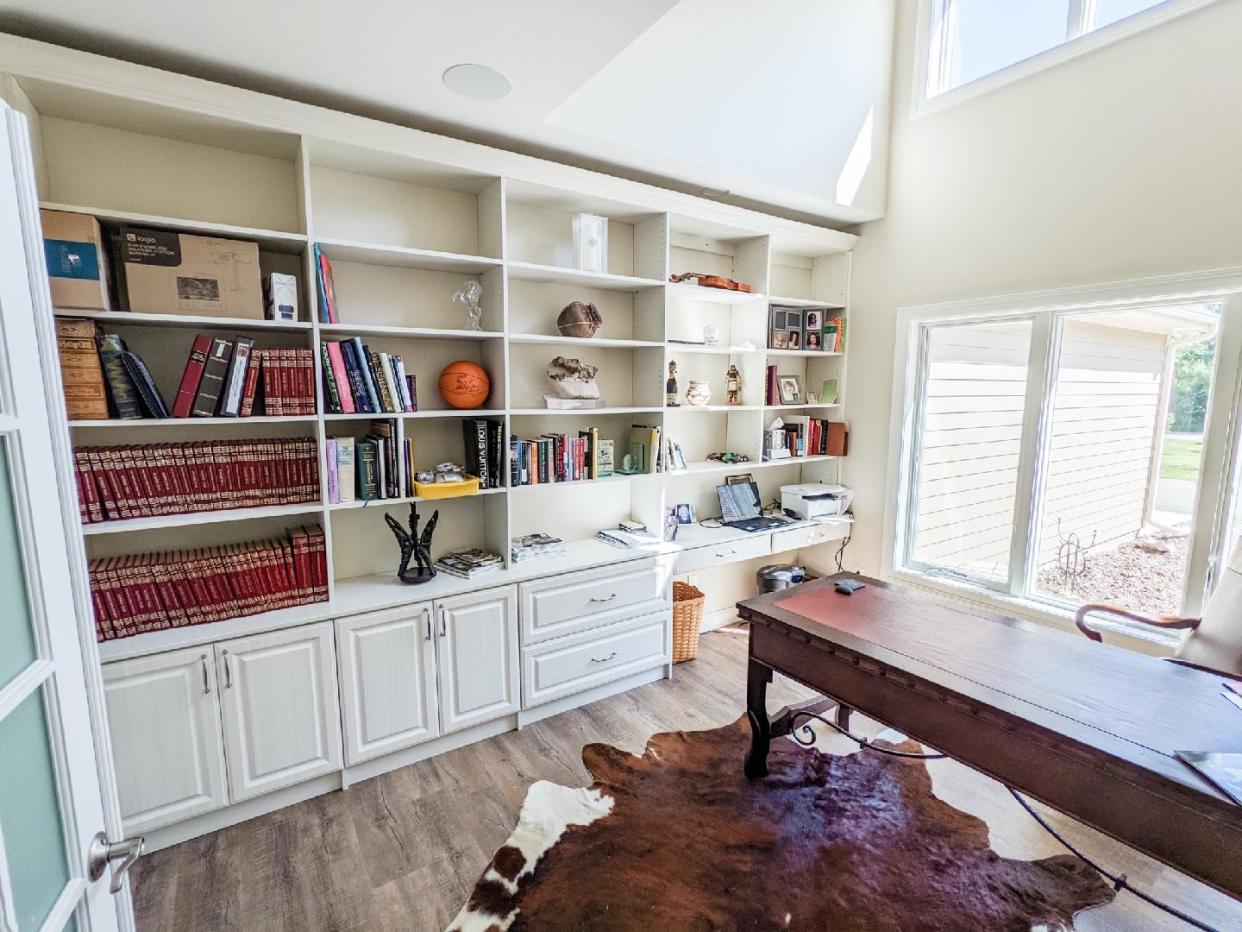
(608, 599)
(721, 556)
(603, 659)
(427, 618)
(228, 671)
(202, 658)
(443, 623)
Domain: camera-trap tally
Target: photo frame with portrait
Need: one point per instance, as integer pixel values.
(790, 389)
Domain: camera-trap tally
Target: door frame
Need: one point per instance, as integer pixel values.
(78, 721)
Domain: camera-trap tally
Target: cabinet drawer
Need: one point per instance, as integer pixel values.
(808, 535)
(742, 548)
(573, 664)
(574, 602)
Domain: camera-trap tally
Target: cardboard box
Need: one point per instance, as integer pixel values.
(76, 264)
(179, 273)
(280, 296)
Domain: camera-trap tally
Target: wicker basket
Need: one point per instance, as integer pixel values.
(687, 619)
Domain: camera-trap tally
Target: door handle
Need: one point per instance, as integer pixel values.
(603, 659)
(228, 671)
(202, 658)
(443, 623)
(427, 618)
(609, 599)
(102, 852)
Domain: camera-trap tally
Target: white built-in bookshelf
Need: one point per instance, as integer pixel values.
(406, 219)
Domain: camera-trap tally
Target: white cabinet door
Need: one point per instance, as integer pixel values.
(477, 657)
(387, 663)
(278, 695)
(164, 718)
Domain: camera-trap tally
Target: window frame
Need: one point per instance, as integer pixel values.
(1222, 451)
(1080, 39)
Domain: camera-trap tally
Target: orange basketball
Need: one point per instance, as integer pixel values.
(464, 384)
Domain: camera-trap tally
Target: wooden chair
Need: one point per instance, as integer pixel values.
(1212, 642)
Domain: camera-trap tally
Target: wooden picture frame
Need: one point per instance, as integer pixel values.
(741, 478)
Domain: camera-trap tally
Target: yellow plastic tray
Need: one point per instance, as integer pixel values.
(433, 490)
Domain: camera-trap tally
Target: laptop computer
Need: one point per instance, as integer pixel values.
(741, 507)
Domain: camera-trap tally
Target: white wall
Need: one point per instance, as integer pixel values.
(1121, 163)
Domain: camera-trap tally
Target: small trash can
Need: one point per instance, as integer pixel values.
(778, 576)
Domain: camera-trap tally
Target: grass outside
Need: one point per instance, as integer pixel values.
(1180, 458)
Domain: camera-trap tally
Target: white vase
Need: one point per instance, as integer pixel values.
(699, 393)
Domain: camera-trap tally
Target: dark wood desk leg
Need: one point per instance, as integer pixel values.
(757, 678)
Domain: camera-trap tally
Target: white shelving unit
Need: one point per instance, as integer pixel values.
(406, 219)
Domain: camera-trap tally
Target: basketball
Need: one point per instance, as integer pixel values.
(464, 384)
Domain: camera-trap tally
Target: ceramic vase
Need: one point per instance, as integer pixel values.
(699, 393)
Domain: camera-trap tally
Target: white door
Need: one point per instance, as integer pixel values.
(167, 749)
(387, 664)
(54, 789)
(477, 656)
(278, 697)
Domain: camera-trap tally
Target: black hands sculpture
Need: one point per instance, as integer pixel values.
(412, 545)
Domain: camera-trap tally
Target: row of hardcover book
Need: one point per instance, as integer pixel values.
(561, 458)
(373, 468)
(230, 378)
(805, 436)
(483, 441)
(148, 480)
(104, 379)
(358, 380)
(156, 591)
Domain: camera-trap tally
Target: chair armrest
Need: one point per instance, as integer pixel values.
(1169, 624)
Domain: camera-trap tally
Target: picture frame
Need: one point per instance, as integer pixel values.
(685, 513)
(813, 322)
(828, 392)
(793, 325)
(814, 340)
(776, 329)
(779, 339)
(741, 478)
(790, 389)
(794, 338)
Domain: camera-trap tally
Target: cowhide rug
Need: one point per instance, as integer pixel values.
(679, 839)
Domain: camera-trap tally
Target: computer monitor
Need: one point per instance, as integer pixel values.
(739, 502)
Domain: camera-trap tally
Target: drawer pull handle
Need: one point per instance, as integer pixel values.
(603, 659)
(729, 554)
(608, 599)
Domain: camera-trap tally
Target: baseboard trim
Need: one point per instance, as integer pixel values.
(568, 703)
(243, 811)
(365, 770)
(719, 618)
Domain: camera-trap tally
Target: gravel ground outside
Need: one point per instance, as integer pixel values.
(1128, 576)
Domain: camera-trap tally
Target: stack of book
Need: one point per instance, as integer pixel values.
(230, 378)
(560, 458)
(673, 457)
(469, 563)
(147, 480)
(340, 456)
(356, 380)
(625, 539)
(536, 546)
(483, 442)
(80, 370)
(154, 591)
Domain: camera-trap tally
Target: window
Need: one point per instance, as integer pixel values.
(968, 40)
(1064, 456)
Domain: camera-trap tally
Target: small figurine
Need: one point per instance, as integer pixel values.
(414, 545)
(670, 387)
(733, 386)
(470, 294)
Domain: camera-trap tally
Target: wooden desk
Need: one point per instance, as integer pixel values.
(1087, 728)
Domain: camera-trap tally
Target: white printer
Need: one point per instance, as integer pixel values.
(815, 500)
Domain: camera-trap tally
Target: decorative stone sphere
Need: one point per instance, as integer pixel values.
(464, 384)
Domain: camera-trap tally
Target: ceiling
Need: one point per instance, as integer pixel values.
(774, 103)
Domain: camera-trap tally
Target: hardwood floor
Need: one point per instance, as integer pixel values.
(402, 851)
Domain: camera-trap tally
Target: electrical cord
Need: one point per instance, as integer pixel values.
(1118, 881)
